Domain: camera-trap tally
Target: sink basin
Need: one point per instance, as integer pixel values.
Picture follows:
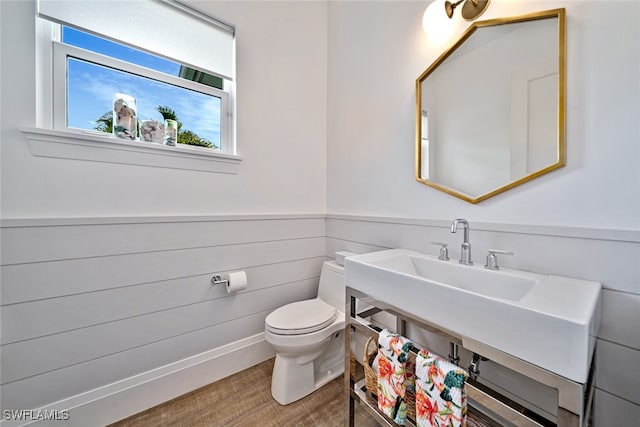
(482, 281)
(549, 321)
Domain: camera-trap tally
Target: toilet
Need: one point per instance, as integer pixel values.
(308, 337)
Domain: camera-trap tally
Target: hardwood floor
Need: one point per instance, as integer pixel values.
(244, 399)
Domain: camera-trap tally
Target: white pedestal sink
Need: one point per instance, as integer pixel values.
(548, 321)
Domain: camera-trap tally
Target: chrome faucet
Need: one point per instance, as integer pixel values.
(465, 251)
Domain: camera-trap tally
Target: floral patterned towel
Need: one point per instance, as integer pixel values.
(440, 397)
(393, 354)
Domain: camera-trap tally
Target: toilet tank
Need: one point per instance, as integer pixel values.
(332, 288)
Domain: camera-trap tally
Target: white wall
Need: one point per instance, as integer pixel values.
(378, 49)
(582, 220)
(281, 128)
(107, 307)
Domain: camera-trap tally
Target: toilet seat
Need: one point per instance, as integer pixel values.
(302, 317)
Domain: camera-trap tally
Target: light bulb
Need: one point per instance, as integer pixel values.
(436, 23)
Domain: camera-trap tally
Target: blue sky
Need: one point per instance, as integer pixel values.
(91, 89)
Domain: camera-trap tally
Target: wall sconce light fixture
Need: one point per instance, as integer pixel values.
(440, 29)
(471, 9)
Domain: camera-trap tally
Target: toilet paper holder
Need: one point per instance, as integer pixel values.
(234, 281)
(219, 279)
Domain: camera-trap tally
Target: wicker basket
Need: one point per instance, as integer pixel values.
(371, 376)
(356, 372)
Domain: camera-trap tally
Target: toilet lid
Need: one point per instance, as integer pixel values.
(301, 317)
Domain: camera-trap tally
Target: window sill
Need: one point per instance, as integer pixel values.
(79, 145)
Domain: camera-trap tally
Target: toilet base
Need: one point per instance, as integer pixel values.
(294, 378)
(292, 382)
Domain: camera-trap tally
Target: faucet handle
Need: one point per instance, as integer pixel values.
(492, 259)
(444, 251)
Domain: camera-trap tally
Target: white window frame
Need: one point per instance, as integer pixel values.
(69, 143)
(62, 51)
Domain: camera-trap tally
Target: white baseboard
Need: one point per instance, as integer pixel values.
(130, 396)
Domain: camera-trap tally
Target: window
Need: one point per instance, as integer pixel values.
(103, 58)
(162, 90)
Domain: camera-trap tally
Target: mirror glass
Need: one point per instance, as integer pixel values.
(490, 110)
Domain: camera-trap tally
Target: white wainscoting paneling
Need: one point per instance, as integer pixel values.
(106, 300)
(610, 410)
(82, 310)
(91, 302)
(51, 279)
(41, 240)
(617, 371)
(621, 318)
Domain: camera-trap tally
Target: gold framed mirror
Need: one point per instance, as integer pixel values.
(490, 111)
